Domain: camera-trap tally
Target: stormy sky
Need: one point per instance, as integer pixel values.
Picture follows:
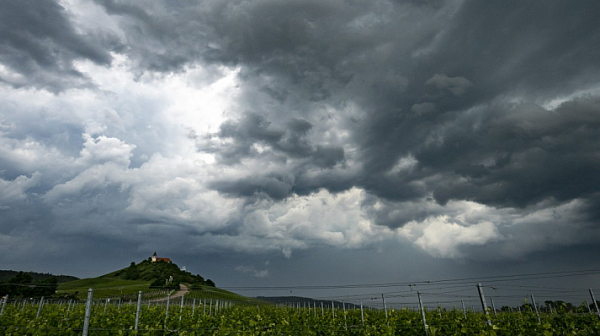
(300, 142)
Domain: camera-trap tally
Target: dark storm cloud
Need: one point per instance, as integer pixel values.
(290, 139)
(530, 154)
(438, 94)
(484, 150)
(274, 186)
(162, 36)
(328, 156)
(435, 79)
(39, 43)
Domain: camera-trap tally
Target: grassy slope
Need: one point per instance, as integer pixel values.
(208, 292)
(110, 287)
(113, 285)
(104, 287)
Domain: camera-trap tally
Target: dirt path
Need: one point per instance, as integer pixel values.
(181, 292)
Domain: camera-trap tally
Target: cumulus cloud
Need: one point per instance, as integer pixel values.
(16, 190)
(100, 150)
(467, 230)
(443, 238)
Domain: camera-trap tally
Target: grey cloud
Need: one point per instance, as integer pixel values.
(253, 271)
(252, 127)
(465, 137)
(508, 48)
(295, 142)
(327, 156)
(299, 126)
(161, 37)
(457, 85)
(334, 180)
(422, 108)
(476, 157)
(522, 155)
(275, 186)
(394, 214)
(124, 8)
(39, 44)
(290, 139)
(592, 208)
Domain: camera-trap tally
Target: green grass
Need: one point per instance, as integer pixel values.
(104, 287)
(208, 292)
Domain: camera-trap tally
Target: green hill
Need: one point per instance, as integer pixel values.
(154, 279)
(161, 274)
(103, 288)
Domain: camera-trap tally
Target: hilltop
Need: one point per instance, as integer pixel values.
(153, 278)
(161, 274)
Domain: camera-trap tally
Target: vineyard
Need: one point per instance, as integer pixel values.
(190, 315)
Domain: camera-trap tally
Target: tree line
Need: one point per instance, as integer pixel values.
(22, 285)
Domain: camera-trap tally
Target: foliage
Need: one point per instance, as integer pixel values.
(22, 285)
(6, 275)
(127, 282)
(159, 273)
(132, 272)
(207, 317)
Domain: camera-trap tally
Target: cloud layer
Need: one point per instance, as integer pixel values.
(466, 129)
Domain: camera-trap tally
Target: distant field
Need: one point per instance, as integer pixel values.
(104, 287)
(208, 292)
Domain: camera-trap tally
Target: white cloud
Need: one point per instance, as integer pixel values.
(253, 271)
(173, 189)
(319, 218)
(442, 238)
(468, 230)
(404, 164)
(103, 149)
(16, 190)
(102, 160)
(29, 155)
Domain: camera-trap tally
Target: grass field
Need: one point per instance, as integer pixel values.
(208, 292)
(104, 287)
